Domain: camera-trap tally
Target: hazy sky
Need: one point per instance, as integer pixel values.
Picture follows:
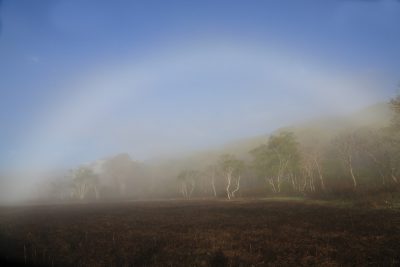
(80, 80)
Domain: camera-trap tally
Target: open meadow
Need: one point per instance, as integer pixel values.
(281, 232)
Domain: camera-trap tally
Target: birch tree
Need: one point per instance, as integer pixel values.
(231, 169)
(311, 165)
(347, 148)
(84, 180)
(278, 160)
(187, 182)
(211, 173)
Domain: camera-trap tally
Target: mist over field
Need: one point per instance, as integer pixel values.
(120, 113)
(170, 91)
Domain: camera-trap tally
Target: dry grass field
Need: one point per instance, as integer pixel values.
(200, 233)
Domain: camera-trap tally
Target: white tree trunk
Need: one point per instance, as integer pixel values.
(96, 191)
(321, 178)
(185, 190)
(213, 185)
(237, 187)
(82, 191)
(229, 179)
(353, 177)
(192, 186)
(271, 182)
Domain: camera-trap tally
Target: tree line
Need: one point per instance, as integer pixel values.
(365, 159)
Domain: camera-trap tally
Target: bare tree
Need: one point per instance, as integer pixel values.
(346, 146)
(211, 174)
(231, 169)
(308, 166)
(187, 182)
(84, 180)
(237, 186)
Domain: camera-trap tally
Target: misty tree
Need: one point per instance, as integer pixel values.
(308, 168)
(394, 140)
(60, 188)
(395, 106)
(120, 169)
(187, 182)
(311, 165)
(84, 180)
(262, 164)
(347, 147)
(231, 168)
(278, 160)
(211, 173)
(375, 147)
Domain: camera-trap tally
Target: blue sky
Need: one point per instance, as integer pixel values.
(81, 80)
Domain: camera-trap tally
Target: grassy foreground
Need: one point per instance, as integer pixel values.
(267, 232)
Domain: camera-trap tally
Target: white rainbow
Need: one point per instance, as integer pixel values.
(48, 143)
